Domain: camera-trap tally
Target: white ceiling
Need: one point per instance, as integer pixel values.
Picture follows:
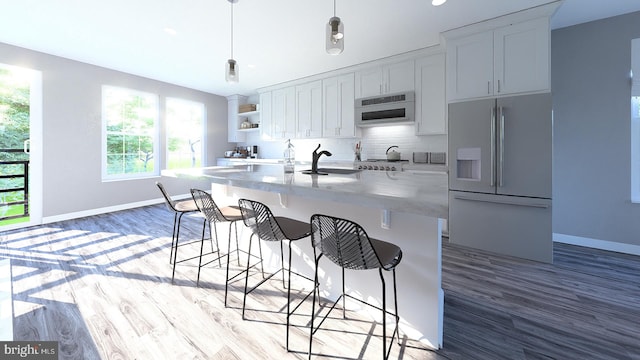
(274, 40)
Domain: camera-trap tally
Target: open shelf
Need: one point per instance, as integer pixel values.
(249, 113)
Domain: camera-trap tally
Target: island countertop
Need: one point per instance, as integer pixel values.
(419, 193)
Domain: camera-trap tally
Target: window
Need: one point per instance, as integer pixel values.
(185, 129)
(130, 128)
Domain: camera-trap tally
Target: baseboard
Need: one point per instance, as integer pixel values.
(597, 244)
(98, 211)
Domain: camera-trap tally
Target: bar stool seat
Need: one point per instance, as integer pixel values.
(347, 245)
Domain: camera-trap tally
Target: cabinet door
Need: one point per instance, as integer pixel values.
(309, 110)
(521, 57)
(233, 123)
(430, 95)
(398, 77)
(338, 102)
(470, 66)
(266, 123)
(283, 113)
(369, 82)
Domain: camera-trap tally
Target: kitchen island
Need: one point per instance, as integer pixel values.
(402, 208)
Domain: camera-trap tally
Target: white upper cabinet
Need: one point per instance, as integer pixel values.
(338, 103)
(309, 110)
(431, 102)
(522, 57)
(470, 66)
(507, 60)
(266, 122)
(283, 113)
(386, 79)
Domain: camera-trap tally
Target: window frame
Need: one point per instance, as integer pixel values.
(155, 136)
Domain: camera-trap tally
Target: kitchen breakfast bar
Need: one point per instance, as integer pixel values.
(402, 208)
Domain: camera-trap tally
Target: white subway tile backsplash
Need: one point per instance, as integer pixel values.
(375, 141)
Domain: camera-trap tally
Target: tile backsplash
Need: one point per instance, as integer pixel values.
(375, 141)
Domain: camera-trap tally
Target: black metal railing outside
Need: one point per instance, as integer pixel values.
(24, 188)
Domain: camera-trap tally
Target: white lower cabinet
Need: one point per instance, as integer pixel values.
(338, 101)
(431, 100)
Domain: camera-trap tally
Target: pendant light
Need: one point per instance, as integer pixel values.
(335, 34)
(232, 74)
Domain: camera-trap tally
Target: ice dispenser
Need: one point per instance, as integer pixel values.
(468, 163)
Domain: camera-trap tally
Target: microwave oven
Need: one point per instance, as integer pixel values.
(388, 109)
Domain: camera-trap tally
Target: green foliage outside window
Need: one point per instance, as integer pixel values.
(14, 130)
(131, 120)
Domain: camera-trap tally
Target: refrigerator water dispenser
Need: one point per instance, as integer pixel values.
(468, 164)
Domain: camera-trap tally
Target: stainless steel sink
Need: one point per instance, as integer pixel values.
(326, 171)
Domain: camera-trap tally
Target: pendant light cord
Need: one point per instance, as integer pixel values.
(232, 29)
(334, 8)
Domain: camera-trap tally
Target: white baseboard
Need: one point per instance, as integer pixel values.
(104, 210)
(597, 244)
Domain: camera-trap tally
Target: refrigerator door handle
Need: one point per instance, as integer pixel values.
(501, 201)
(493, 147)
(501, 150)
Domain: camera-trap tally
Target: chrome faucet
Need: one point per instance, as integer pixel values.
(315, 156)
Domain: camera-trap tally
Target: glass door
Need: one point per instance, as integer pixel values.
(20, 120)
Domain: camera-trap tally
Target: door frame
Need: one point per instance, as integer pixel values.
(36, 150)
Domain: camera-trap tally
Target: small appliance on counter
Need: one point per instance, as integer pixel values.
(253, 151)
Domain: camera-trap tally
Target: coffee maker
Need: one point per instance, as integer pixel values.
(253, 151)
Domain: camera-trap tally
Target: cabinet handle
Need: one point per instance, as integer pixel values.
(498, 86)
(501, 154)
(489, 87)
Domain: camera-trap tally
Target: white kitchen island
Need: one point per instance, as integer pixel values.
(402, 208)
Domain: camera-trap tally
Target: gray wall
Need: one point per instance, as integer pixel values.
(591, 100)
(72, 133)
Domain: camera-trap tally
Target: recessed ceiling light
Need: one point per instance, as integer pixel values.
(251, 66)
(170, 30)
(438, 2)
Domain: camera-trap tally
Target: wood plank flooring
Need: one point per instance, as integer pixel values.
(101, 286)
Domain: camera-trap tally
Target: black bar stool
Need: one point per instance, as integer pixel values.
(178, 208)
(214, 215)
(347, 245)
(267, 227)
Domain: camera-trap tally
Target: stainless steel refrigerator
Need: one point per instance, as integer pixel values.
(500, 165)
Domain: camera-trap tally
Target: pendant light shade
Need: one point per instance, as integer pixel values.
(335, 34)
(232, 74)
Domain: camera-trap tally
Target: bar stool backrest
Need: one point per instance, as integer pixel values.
(167, 199)
(344, 242)
(259, 218)
(207, 206)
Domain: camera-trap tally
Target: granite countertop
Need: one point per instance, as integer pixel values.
(424, 194)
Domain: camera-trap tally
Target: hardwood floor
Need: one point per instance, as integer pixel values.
(101, 286)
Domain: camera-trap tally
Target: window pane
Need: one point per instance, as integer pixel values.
(185, 121)
(130, 126)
